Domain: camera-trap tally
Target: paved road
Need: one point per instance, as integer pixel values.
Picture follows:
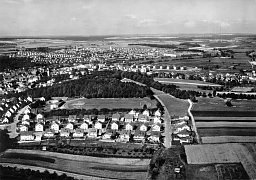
(12, 127)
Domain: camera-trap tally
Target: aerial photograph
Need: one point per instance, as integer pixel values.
(127, 89)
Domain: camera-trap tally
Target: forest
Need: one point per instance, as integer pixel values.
(96, 85)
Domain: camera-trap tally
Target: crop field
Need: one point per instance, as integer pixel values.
(225, 124)
(217, 171)
(174, 105)
(218, 104)
(226, 131)
(226, 119)
(110, 103)
(228, 139)
(85, 166)
(224, 153)
(185, 82)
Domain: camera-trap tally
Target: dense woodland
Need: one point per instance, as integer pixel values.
(14, 63)
(96, 85)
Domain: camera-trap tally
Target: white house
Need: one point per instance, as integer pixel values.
(98, 125)
(26, 122)
(92, 133)
(84, 125)
(157, 119)
(132, 112)
(124, 136)
(6, 120)
(143, 127)
(146, 112)
(65, 132)
(39, 127)
(157, 113)
(49, 133)
(23, 128)
(55, 127)
(142, 118)
(114, 126)
(27, 111)
(156, 127)
(129, 127)
(26, 136)
(25, 117)
(79, 133)
(39, 116)
(70, 126)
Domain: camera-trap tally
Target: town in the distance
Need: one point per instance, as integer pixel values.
(129, 107)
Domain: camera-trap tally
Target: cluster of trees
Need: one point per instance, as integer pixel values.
(28, 174)
(14, 63)
(170, 88)
(5, 141)
(95, 85)
(167, 159)
(237, 96)
(99, 150)
(66, 112)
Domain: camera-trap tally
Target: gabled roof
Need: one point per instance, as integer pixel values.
(128, 116)
(116, 116)
(26, 133)
(101, 117)
(65, 130)
(79, 131)
(139, 133)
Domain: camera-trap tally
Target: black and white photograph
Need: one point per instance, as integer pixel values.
(127, 89)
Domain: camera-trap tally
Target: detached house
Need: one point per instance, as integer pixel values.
(98, 125)
(25, 117)
(55, 126)
(101, 118)
(23, 128)
(26, 136)
(65, 132)
(39, 127)
(125, 135)
(79, 133)
(70, 126)
(157, 119)
(49, 133)
(129, 126)
(155, 136)
(39, 116)
(128, 118)
(146, 113)
(139, 135)
(142, 118)
(92, 133)
(84, 126)
(143, 127)
(116, 117)
(158, 113)
(114, 125)
(107, 134)
(156, 127)
(71, 118)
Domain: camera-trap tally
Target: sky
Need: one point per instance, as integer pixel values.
(117, 17)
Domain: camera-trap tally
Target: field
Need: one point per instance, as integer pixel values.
(180, 82)
(218, 104)
(91, 166)
(110, 103)
(228, 139)
(224, 153)
(227, 131)
(213, 118)
(217, 171)
(175, 106)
